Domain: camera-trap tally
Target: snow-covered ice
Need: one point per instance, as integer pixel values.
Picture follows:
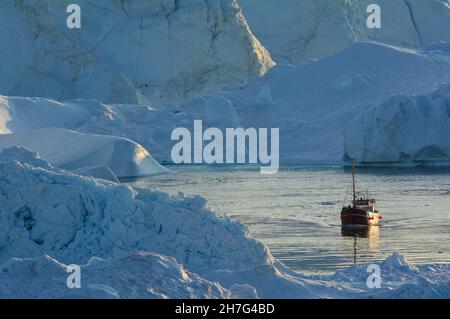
(403, 129)
(312, 104)
(137, 275)
(314, 29)
(126, 51)
(73, 218)
(89, 154)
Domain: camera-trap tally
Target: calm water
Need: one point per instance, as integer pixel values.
(296, 212)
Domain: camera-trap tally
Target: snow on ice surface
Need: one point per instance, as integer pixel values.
(24, 156)
(311, 104)
(74, 218)
(97, 155)
(126, 51)
(135, 243)
(296, 31)
(182, 48)
(151, 127)
(410, 129)
(136, 275)
(37, 59)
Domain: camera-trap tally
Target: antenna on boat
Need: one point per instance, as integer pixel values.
(353, 177)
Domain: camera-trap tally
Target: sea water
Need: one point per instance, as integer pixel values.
(296, 212)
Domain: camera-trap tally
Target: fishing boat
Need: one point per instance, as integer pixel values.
(361, 210)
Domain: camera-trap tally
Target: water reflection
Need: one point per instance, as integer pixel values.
(372, 233)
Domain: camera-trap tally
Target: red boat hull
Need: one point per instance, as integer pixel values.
(356, 216)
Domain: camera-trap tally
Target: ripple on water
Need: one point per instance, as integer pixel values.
(296, 212)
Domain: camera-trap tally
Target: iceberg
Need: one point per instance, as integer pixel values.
(96, 155)
(311, 104)
(130, 52)
(314, 29)
(403, 129)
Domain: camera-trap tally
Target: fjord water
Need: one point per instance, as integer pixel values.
(296, 211)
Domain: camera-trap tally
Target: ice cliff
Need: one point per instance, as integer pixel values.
(150, 52)
(294, 31)
(129, 51)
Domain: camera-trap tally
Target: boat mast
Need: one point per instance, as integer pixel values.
(353, 178)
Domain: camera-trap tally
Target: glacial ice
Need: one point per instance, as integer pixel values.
(133, 52)
(311, 104)
(312, 29)
(96, 155)
(403, 129)
(136, 275)
(74, 218)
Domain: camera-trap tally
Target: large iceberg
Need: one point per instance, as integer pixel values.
(141, 52)
(403, 129)
(129, 51)
(296, 31)
(88, 154)
(311, 104)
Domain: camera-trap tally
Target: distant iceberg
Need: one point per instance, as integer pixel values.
(88, 154)
(403, 129)
(312, 105)
(316, 29)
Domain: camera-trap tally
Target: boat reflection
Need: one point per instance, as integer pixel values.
(372, 233)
